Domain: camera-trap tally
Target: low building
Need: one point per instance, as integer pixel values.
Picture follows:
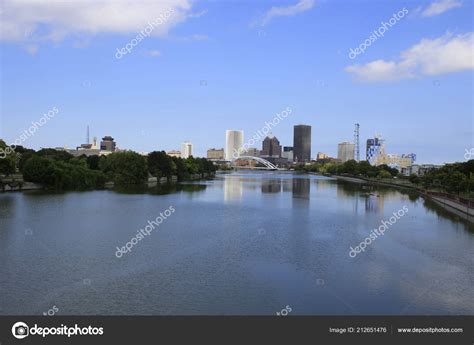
(396, 161)
(321, 155)
(215, 154)
(251, 151)
(287, 153)
(174, 153)
(419, 169)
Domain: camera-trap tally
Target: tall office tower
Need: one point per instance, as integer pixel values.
(107, 144)
(270, 147)
(302, 143)
(234, 140)
(375, 150)
(87, 136)
(186, 149)
(345, 151)
(356, 143)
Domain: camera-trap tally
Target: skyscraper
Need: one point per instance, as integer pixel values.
(345, 151)
(375, 150)
(270, 147)
(302, 143)
(234, 140)
(186, 149)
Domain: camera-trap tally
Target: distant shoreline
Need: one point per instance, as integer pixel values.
(453, 206)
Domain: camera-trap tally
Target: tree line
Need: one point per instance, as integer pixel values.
(455, 178)
(61, 170)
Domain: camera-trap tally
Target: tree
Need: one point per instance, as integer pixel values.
(54, 154)
(414, 178)
(456, 182)
(93, 162)
(36, 169)
(392, 171)
(160, 164)
(7, 165)
(7, 159)
(349, 167)
(125, 167)
(384, 174)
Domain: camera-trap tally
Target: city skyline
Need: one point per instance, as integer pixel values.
(156, 96)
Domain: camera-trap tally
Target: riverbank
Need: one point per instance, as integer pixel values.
(459, 206)
(15, 183)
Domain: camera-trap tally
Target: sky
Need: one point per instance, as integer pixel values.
(206, 66)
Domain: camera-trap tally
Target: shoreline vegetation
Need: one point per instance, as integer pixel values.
(59, 170)
(451, 186)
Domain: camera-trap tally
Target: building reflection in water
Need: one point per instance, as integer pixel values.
(271, 185)
(232, 188)
(374, 203)
(301, 188)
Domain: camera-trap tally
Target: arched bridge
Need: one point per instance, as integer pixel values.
(267, 164)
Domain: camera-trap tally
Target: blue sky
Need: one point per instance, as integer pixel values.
(217, 65)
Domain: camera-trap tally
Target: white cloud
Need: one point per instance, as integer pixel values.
(198, 14)
(154, 53)
(301, 6)
(430, 57)
(56, 19)
(440, 6)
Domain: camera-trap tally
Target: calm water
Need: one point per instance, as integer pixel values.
(244, 243)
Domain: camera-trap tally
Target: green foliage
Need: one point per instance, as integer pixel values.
(384, 174)
(93, 162)
(162, 165)
(125, 168)
(36, 169)
(414, 179)
(61, 170)
(452, 178)
(8, 159)
(7, 165)
(56, 155)
(62, 175)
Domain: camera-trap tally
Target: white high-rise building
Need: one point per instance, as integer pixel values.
(234, 140)
(345, 151)
(186, 149)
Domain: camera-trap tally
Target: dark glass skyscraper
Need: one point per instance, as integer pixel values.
(302, 143)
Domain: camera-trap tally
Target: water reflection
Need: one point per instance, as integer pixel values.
(301, 188)
(271, 185)
(266, 248)
(233, 188)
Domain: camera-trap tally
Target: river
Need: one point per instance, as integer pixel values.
(244, 243)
